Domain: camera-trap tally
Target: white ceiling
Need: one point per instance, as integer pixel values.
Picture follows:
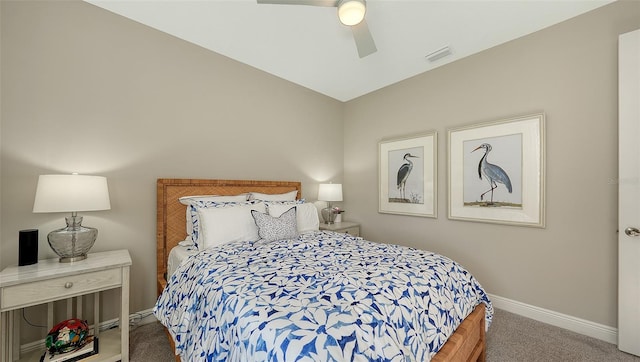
(308, 45)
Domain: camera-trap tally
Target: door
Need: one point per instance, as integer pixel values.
(629, 193)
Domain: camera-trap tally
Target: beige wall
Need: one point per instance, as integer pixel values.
(88, 91)
(569, 71)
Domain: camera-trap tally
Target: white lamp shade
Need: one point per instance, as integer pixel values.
(351, 12)
(71, 193)
(330, 192)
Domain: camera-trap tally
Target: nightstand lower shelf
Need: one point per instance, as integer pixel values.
(109, 349)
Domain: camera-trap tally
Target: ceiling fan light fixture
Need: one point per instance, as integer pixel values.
(351, 12)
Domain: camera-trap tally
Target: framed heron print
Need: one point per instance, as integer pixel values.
(496, 171)
(408, 175)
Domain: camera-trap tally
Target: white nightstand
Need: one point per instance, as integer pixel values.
(49, 281)
(347, 227)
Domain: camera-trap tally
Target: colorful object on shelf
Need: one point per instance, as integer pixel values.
(67, 336)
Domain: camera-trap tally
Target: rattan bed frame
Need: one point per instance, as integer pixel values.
(466, 344)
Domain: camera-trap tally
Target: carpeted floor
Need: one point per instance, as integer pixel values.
(511, 338)
(515, 338)
(149, 343)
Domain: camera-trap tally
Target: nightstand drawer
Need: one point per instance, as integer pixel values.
(344, 227)
(23, 295)
(353, 231)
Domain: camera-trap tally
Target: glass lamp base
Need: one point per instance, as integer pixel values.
(328, 215)
(73, 242)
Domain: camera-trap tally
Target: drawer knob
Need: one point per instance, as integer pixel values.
(68, 285)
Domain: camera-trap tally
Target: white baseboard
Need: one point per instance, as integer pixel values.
(137, 319)
(582, 326)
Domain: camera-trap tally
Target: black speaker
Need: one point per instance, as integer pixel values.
(28, 248)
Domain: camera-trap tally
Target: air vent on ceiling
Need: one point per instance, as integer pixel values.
(438, 54)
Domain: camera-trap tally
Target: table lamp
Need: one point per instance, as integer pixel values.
(329, 193)
(72, 193)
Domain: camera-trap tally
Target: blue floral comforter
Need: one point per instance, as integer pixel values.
(321, 297)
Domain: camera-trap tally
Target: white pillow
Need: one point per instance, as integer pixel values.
(227, 224)
(306, 215)
(288, 196)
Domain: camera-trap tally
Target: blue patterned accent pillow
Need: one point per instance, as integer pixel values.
(276, 228)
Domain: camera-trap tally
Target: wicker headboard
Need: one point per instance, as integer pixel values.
(171, 221)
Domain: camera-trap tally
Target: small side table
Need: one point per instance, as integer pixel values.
(346, 227)
(49, 281)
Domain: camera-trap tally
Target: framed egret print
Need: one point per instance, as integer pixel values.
(408, 175)
(496, 171)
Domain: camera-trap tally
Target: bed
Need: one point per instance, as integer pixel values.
(466, 343)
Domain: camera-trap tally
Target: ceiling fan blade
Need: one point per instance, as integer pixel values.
(329, 3)
(363, 38)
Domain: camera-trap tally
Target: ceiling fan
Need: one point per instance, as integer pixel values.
(350, 13)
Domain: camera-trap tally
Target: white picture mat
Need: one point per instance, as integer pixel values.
(532, 212)
(428, 165)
